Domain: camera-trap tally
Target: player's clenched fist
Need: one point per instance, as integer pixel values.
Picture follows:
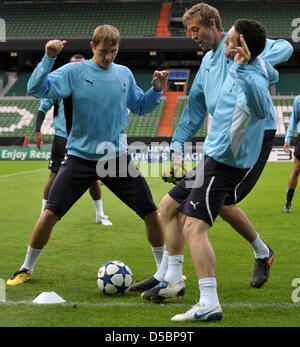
(54, 47)
(159, 79)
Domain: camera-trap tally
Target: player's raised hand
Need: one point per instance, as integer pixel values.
(243, 54)
(159, 79)
(54, 47)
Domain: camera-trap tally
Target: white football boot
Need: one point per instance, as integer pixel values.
(103, 219)
(200, 313)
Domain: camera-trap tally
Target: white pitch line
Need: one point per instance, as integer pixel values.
(255, 305)
(23, 173)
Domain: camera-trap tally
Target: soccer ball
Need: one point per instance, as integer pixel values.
(114, 278)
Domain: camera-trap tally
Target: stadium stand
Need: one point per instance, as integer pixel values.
(283, 108)
(182, 102)
(19, 88)
(47, 20)
(18, 116)
(162, 24)
(146, 125)
(277, 16)
(141, 18)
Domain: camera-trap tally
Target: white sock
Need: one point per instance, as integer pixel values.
(31, 258)
(174, 273)
(158, 254)
(44, 201)
(160, 274)
(208, 291)
(98, 207)
(260, 249)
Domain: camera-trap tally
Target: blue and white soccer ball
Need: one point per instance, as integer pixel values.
(114, 278)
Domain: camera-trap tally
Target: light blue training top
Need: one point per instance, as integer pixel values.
(59, 120)
(208, 82)
(101, 99)
(238, 126)
(294, 121)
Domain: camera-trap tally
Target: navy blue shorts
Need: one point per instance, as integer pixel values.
(58, 153)
(76, 175)
(255, 172)
(203, 191)
(297, 147)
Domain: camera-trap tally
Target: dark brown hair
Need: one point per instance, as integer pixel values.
(254, 34)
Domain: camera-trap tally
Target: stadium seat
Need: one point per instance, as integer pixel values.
(17, 118)
(277, 16)
(146, 125)
(182, 102)
(38, 20)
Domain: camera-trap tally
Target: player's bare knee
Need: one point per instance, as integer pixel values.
(226, 211)
(195, 229)
(168, 207)
(297, 169)
(49, 217)
(189, 228)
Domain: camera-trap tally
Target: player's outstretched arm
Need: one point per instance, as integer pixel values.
(142, 103)
(42, 83)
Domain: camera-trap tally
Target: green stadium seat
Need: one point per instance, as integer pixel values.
(69, 20)
(146, 125)
(17, 118)
(277, 15)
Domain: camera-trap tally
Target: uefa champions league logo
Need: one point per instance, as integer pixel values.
(2, 30)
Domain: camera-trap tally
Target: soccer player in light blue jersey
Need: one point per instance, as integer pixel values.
(293, 179)
(231, 148)
(100, 93)
(205, 25)
(58, 150)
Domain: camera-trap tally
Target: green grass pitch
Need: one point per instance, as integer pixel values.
(69, 263)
